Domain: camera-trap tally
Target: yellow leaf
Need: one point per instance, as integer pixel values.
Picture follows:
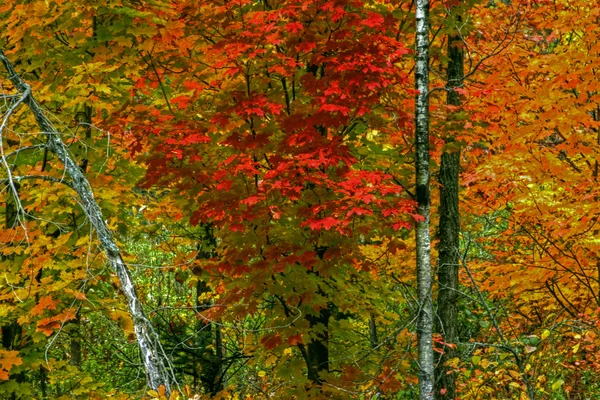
(262, 373)
(485, 363)
(124, 320)
(81, 241)
(545, 334)
(515, 374)
(270, 361)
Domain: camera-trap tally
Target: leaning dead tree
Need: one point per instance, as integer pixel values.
(156, 363)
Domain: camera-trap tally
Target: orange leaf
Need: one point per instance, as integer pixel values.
(46, 303)
(8, 359)
(294, 340)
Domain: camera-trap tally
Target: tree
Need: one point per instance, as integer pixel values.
(158, 373)
(262, 176)
(449, 222)
(276, 163)
(425, 319)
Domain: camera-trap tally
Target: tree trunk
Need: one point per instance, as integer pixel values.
(373, 332)
(155, 361)
(43, 378)
(449, 228)
(318, 348)
(75, 327)
(11, 333)
(75, 336)
(425, 312)
(210, 356)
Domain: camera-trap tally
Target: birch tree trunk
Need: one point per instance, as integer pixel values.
(155, 361)
(425, 313)
(449, 227)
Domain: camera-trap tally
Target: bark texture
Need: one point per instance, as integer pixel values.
(449, 229)
(318, 348)
(425, 312)
(155, 361)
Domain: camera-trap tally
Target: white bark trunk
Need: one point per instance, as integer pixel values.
(155, 361)
(424, 278)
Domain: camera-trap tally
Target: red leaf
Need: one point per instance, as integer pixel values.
(294, 27)
(225, 185)
(294, 340)
(373, 21)
(271, 341)
(181, 101)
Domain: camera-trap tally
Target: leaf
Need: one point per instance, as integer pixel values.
(545, 334)
(45, 303)
(8, 359)
(294, 340)
(181, 102)
(124, 319)
(294, 27)
(271, 341)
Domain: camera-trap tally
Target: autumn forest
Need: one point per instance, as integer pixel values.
(300, 199)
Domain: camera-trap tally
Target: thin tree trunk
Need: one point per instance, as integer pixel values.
(75, 328)
(373, 332)
(75, 336)
(209, 357)
(449, 228)
(211, 354)
(43, 386)
(155, 362)
(425, 313)
(11, 333)
(318, 348)
(221, 353)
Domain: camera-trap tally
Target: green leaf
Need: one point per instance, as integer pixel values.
(556, 385)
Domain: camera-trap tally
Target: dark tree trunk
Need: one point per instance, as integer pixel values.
(448, 232)
(43, 377)
(75, 336)
(209, 360)
(209, 357)
(11, 332)
(75, 325)
(318, 348)
(373, 332)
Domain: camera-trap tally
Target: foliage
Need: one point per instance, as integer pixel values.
(256, 161)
